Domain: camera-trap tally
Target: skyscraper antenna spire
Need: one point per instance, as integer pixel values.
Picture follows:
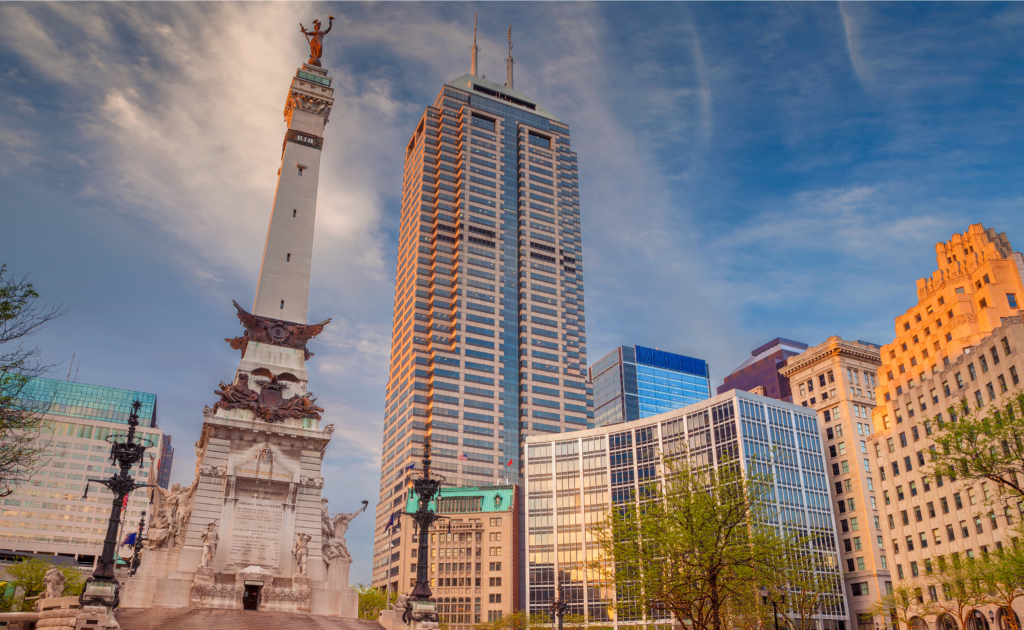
(510, 61)
(474, 50)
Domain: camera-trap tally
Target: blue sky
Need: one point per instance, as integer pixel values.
(747, 171)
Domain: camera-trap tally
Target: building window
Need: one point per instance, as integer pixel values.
(295, 213)
(287, 257)
(282, 304)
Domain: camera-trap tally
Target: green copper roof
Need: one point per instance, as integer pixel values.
(467, 500)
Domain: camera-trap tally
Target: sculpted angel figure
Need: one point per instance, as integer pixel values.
(316, 40)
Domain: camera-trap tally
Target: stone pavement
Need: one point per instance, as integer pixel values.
(212, 619)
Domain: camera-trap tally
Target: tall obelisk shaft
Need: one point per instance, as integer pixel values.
(283, 289)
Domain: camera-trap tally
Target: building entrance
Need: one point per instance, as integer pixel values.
(251, 597)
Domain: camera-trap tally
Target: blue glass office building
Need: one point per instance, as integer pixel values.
(634, 382)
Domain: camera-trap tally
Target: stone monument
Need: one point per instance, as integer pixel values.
(248, 531)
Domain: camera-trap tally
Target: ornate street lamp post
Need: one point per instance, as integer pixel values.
(139, 539)
(103, 588)
(558, 608)
(420, 607)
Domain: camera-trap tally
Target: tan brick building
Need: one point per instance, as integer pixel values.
(837, 379)
(960, 342)
(473, 553)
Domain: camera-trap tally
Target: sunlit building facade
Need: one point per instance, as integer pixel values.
(573, 481)
(47, 514)
(634, 382)
(837, 380)
(489, 333)
(959, 344)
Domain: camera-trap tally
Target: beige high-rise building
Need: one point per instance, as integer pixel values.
(837, 379)
(960, 342)
(489, 341)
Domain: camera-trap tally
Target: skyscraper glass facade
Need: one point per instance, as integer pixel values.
(489, 341)
(89, 402)
(572, 481)
(637, 382)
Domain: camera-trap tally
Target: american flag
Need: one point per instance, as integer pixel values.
(124, 504)
(463, 456)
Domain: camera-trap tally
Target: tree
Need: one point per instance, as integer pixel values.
(899, 606)
(517, 620)
(23, 450)
(983, 443)
(696, 546)
(959, 583)
(372, 601)
(802, 580)
(27, 577)
(1003, 580)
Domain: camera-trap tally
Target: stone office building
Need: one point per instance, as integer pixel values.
(960, 342)
(837, 379)
(474, 553)
(47, 513)
(928, 516)
(574, 480)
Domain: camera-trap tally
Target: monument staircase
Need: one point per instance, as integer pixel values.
(214, 619)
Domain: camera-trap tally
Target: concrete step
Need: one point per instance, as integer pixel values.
(209, 619)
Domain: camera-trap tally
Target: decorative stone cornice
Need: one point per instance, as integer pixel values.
(833, 347)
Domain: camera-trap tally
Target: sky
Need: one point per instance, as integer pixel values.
(747, 171)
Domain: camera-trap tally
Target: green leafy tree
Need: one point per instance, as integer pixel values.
(27, 576)
(372, 601)
(983, 443)
(517, 620)
(1003, 580)
(801, 580)
(23, 444)
(899, 606)
(960, 589)
(694, 546)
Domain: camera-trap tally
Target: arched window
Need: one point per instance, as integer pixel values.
(1005, 622)
(946, 622)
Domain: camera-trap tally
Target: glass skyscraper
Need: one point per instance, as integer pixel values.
(637, 382)
(489, 341)
(572, 481)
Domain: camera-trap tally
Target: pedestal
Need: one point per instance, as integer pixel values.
(334, 596)
(158, 583)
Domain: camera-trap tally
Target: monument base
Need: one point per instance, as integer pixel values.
(334, 597)
(158, 583)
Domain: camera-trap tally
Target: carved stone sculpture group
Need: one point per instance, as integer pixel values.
(333, 531)
(267, 404)
(170, 518)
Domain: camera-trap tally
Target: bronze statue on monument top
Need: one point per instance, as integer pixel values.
(316, 40)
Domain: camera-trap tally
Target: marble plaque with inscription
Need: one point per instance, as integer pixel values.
(257, 523)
